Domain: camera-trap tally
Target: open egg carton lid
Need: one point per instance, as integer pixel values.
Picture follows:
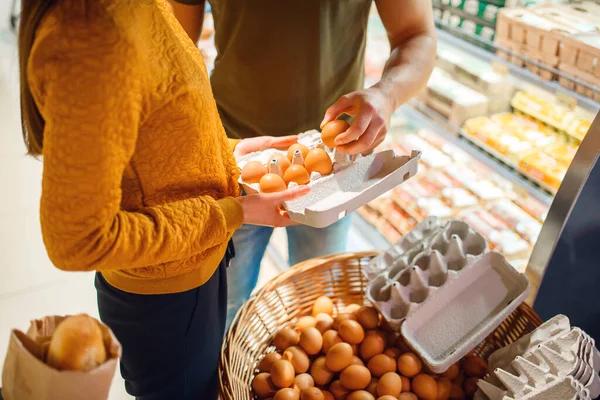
(430, 257)
(552, 357)
(354, 182)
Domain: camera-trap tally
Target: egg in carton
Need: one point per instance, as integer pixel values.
(421, 232)
(568, 353)
(355, 181)
(424, 269)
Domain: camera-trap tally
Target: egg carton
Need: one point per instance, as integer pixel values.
(551, 353)
(465, 311)
(562, 389)
(423, 269)
(413, 239)
(355, 181)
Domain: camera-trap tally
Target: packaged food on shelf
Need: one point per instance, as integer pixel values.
(483, 188)
(397, 216)
(468, 24)
(499, 235)
(453, 100)
(506, 142)
(344, 185)
(479, 9)
(477, 74)
(546, 110)
(421, 200)
(431, 156)
(516, 219)
(544, 168)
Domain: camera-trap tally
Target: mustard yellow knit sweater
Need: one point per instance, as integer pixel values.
(139, 177)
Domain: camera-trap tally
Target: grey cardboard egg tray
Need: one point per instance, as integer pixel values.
(554, 362)
(355, 181)
(422, 269)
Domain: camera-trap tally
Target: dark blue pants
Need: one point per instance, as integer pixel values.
(171, 342)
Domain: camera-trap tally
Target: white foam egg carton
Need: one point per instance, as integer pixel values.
(537, 363)
(424, 268)
(462, 313)
(355, 181)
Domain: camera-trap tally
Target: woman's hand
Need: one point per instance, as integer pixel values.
(263, 208)
(247, 146)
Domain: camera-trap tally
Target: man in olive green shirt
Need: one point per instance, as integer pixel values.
(287, 66)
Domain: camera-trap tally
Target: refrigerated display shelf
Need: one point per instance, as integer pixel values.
(452, 36)
(454, 134)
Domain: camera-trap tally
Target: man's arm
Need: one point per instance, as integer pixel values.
(190, 14)
(411, 32)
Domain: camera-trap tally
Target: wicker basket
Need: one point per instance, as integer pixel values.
(292, 293)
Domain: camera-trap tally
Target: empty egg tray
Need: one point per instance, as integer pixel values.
(415, 272)
(555, 362)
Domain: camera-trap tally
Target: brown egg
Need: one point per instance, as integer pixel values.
(409, 365)
(267, 362)
(330, 338)
(425, 387)
(317, 160)
(352, 309)
(285, 338)
(322, 305)
(341, 318)
(373, 344)
(351, 332)
(357, 361)
(470, 386)
(444, 388)
(360, 395)
(475, 366)
(407, 396)
(390, 337)
(355, 349)
(339, 357)
(405, 384)
(367, 317)
(282, 160)
(319, 371)
(253, 171)
(311, 341)
(372, 387)
(286, 394)
(312, 394)
(460, 378)
(355, 377)
(297, 174)
(306, 322)
(390, 384)
(282, 373)
(457, 393)
(393, 352)
(327, 395)
(293, 148)
(272, 183)
(263, 386)
(452, 372)
(303, 381)
(338, 391)
(331, 130)
(298, 358)
(387, 397)
(381, 364)
(324, 322)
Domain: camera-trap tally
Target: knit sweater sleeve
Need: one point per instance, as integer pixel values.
(90, 94)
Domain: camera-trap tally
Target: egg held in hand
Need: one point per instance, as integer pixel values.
(297, 174)
(331, 130)
(272, 183)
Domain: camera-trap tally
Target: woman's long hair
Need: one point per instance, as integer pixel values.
(31, 120)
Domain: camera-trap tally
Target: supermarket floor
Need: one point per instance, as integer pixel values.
(30, 287)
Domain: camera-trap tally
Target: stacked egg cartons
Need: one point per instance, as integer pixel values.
(555, 362)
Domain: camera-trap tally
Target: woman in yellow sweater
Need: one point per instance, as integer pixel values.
(139, 182)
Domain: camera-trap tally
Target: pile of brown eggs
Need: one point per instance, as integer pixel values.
(354, 355)
(299, 164)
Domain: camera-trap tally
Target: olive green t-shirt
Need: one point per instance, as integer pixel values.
(282, 63)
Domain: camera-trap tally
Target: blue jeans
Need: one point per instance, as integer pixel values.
(250, 242)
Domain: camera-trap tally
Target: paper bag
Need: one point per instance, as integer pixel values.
(26, 377)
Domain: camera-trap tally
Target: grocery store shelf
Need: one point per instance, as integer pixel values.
(432, 120)
(455, 40)
(370, 236)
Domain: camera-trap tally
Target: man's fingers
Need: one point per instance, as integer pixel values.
(367, 141)
(337, 109)
(358, 127)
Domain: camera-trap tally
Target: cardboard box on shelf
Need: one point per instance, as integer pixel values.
(577, 87)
